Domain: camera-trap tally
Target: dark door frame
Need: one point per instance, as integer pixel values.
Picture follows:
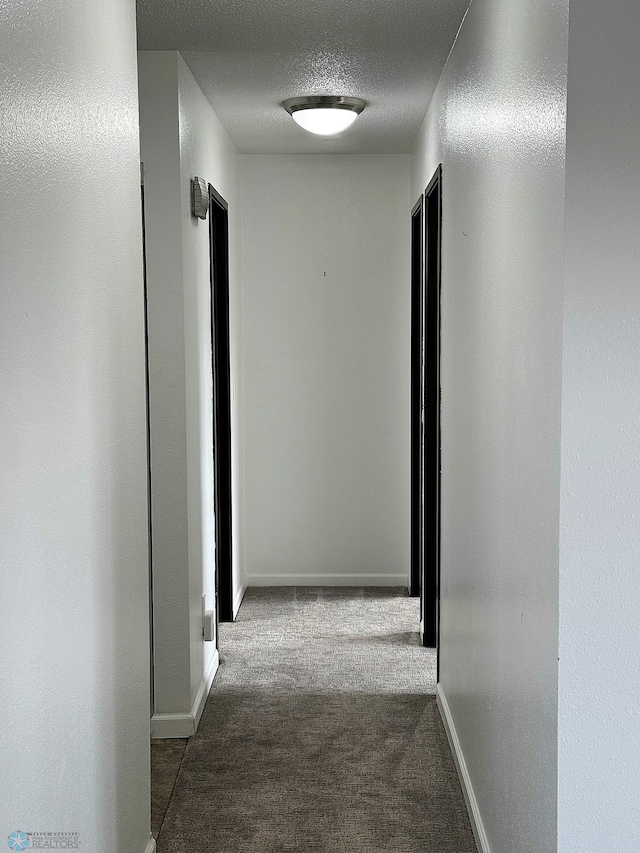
(417, 285)
(145, 295)
(430, 595)
(221, 368)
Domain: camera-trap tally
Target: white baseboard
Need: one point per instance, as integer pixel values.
(172, 725)
(165, 726)
(151, 846)
(465, 780)
(237, 601)
(205, 687)
(327, 580)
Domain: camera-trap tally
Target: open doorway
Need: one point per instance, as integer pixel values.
(148, 435)
(417, 284)
(430, 597)
(219, 253)
(425, 406)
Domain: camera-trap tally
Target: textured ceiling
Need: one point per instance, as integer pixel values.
(249, 55)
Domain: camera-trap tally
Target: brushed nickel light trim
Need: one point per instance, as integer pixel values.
(307, 112)
(332, 102)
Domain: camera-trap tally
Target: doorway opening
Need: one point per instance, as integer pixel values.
(426, 219)
(148, 436)
(417, 284)
(221, 366)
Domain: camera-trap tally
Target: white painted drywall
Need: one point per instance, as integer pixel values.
(327, 368)
(181, 138)
(497, 124)
(160, 152)
(599, 683)
(207, 151)
(74, 721)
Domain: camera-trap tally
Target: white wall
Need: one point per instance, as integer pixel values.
(599, 686)
(327, 368)
(207, 151)
(74, 748)
(497, 124)
(160, 152)
(181, 138)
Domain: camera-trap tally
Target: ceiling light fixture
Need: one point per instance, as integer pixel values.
(324, 115)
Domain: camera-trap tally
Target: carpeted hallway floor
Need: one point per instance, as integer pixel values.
(321, 735)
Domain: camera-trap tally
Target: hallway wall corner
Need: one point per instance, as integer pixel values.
(181, 137)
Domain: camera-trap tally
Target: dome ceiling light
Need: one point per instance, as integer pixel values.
(324, 115)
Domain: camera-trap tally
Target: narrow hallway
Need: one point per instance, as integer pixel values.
(321, 734)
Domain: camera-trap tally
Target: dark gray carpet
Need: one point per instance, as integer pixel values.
(321, 734)
(166, 757)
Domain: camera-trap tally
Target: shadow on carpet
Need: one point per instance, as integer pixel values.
(321, 734)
